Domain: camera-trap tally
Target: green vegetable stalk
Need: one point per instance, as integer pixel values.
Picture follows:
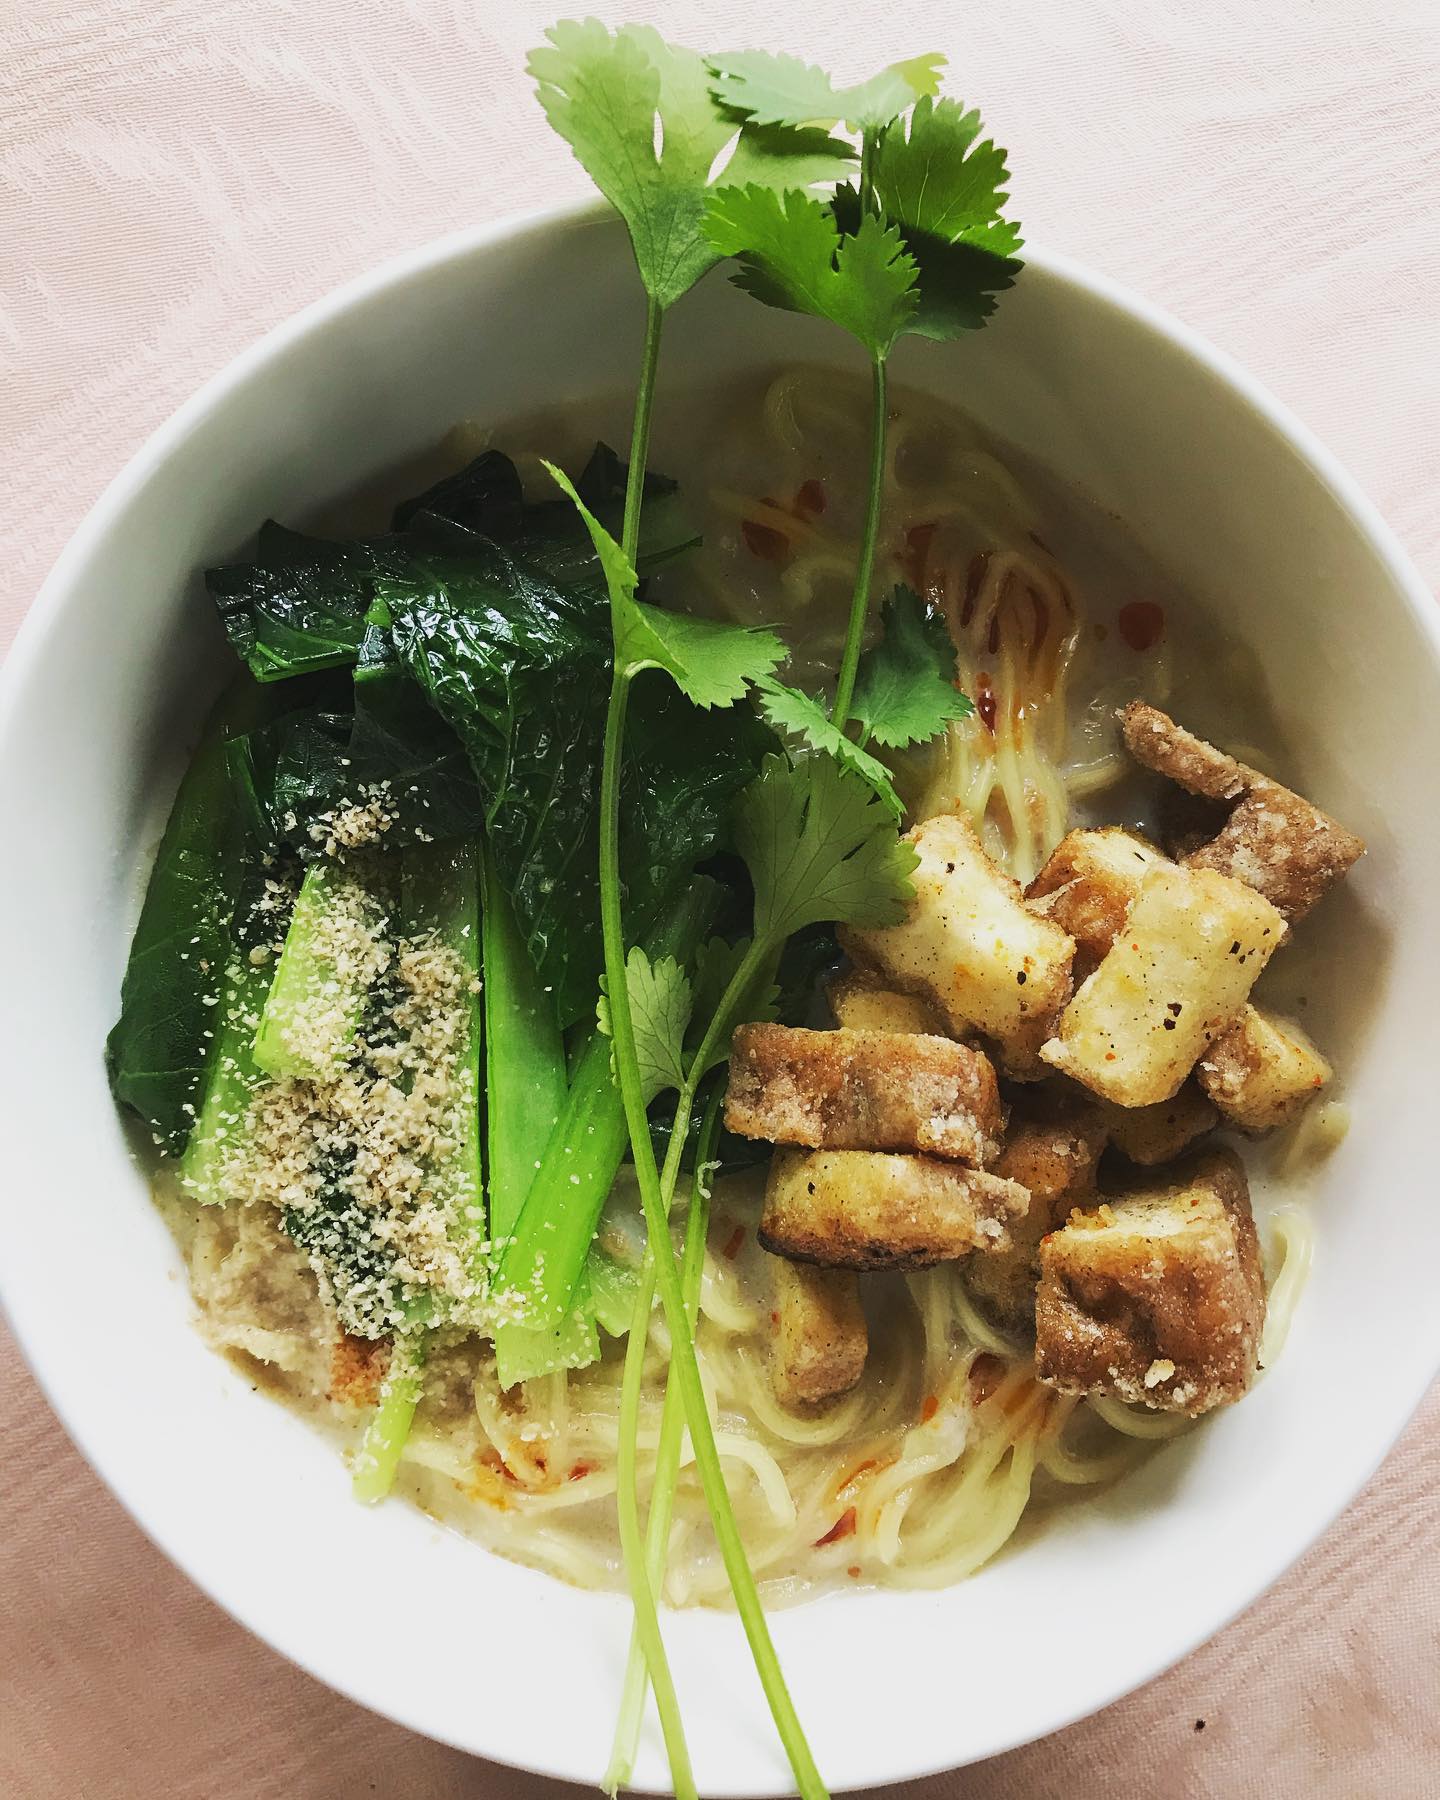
(526, 1093)
(553, 1234)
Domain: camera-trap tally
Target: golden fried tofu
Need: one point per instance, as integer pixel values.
(1158, 1134)
(820, 1340)
(1054, 1160)
(866, 1209)
(971, 948)
(1088, 885)
(1179, 973)
(1158, 1297)
(863, 1002)
(863, 1090)
(1263, 1071)
(1273, 840)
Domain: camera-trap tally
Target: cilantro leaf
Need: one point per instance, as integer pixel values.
(820, 846)
(603, 93)
(757, 1002)
(773, 89)
(661, 1000)
(905, 690)
(792, 255)
(787, 709)
(946, 191)
(710, 662)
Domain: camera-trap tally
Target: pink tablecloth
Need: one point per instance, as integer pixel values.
(177, 175)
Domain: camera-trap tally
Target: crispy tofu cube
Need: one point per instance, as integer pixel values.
(1055, 1160)
(1177, 975)
(1158, 1297)
(863, 1090)
(1088, 885)
(971, 947)
(865, 1209)
(1273, 840)
(862, 1002)
(820, 1337)
(1158, 1134)
(1263, 1071)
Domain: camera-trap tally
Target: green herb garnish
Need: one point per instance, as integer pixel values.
(920, 245)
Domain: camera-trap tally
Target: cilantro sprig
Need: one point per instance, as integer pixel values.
(704, 160)
(921, 245)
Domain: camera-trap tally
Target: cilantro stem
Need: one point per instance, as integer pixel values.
(684, 1367)
(627, 1068)
(865, 569)
(640, 429)
(667, 1457)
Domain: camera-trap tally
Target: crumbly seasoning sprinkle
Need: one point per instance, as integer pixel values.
(370, 1163)
(350, 951)
(361, 823)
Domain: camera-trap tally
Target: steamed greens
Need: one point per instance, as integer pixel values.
(618, 827)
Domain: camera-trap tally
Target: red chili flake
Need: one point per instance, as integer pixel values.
(733, 1243)
(928, 1409)
(842, 1528)
(809, 501)
(985, 703)
(581, 1470)
(853, 1571)
(765, 541)
(1141, 623)
(775, 1319)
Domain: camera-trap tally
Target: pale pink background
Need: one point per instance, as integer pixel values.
(177, 175)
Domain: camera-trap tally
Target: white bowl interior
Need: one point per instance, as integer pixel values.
(385, 1605)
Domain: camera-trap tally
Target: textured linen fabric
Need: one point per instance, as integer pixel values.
(178, 175)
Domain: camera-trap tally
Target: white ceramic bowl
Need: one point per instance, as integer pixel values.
(115, 666)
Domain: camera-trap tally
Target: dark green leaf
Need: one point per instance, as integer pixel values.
(193, 920)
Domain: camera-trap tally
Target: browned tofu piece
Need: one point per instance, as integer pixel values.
(971, 948)
(1158, 1297)
(1158, 1134)
(866, 1209)
(1054, 1160)
(863, 1090)
(1193, 945)
(1263, 1072)
(862, 1002)
(1088, 885)
(820, 1337)
(1273, 840)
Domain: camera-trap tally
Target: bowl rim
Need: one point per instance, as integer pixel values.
(1407, 1387)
